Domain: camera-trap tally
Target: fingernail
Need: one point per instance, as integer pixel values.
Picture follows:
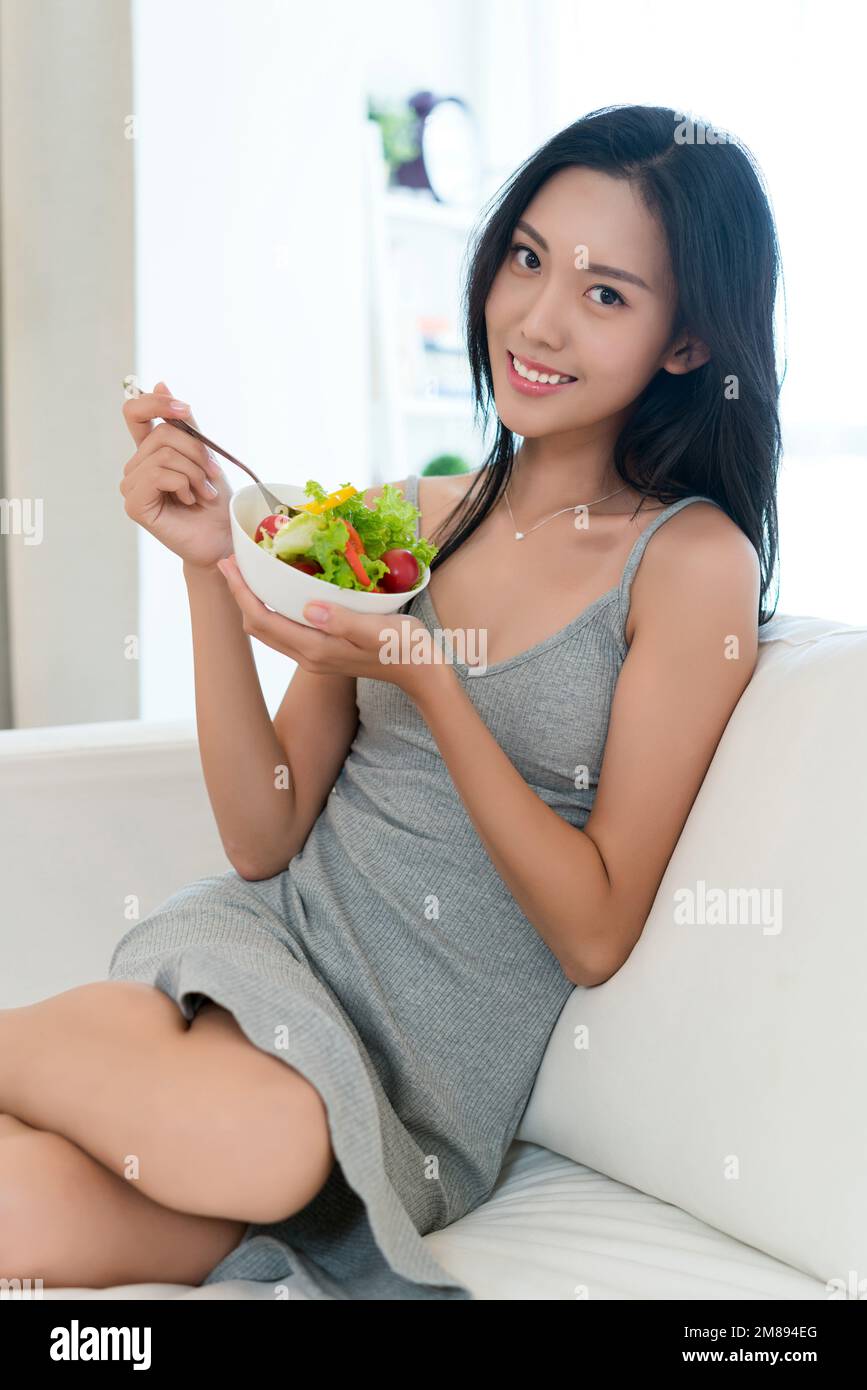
(180, 406)
(316, 613)
(211, 463)
(214, 490)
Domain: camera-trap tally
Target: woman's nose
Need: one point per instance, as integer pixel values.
(542, 325)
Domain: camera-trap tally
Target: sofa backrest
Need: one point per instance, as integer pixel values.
(722, 1068)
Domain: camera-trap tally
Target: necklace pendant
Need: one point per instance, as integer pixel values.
(519, 535)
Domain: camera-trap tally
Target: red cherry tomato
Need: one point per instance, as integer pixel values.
(271, 524)
(402, 571)
(307, 566)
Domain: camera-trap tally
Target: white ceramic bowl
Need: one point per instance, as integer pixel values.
(277, 584)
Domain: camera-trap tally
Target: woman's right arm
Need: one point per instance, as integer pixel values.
(311, 734)
(264, 819)
(267, 780)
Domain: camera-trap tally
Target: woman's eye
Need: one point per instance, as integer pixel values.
(530, 252)
(606, 289)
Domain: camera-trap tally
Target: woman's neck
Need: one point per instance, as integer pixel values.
(540, 485)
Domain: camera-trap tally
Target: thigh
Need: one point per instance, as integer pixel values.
(217, 1030)
(284, 1140)
(67, 1220)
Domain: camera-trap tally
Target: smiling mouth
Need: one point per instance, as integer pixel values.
(530, 381)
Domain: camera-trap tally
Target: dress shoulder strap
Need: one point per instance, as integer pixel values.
(410, 493)
(638, 549)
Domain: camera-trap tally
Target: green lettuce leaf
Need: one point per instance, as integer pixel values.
(388, 525)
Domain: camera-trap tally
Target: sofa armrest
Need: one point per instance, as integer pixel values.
(99, 823)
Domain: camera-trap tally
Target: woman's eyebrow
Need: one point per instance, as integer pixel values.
(609, 270)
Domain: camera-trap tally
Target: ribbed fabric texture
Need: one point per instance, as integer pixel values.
(391, 966)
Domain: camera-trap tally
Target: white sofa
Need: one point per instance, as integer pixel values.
(697, 1129)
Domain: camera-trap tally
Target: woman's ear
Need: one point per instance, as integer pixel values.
(687, 354)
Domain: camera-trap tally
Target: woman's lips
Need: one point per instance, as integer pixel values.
(531, 388)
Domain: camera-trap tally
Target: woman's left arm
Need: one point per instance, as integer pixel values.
(587, 892)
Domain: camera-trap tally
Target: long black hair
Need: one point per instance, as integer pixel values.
(687, 433)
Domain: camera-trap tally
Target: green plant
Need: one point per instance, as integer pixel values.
(398, 123)
(445, 463)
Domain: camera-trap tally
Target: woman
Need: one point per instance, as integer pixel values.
(307, 1063)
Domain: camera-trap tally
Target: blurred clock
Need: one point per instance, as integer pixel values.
(449, 162)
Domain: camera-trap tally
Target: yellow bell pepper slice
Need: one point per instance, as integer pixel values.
(333, 499)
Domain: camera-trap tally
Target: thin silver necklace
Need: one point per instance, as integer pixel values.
(519, 535)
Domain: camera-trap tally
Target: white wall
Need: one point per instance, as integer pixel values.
(67, 341)
(250, 264)
(786, 79)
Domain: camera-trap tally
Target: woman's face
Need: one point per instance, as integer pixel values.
(599, 325)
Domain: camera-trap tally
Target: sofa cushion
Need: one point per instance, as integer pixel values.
(722, 1068)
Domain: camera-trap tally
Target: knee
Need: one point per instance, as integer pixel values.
(267, 1166)
(269, 1174)
(280, 1189)
(287, 1151)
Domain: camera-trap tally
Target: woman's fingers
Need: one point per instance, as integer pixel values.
(145, 488)
(185, 453)
(140, 411)
(155, 465)
(167, 436)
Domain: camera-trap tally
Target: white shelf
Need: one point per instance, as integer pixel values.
(405, 422)
(419, 208)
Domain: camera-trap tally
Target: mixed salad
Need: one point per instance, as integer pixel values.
(338, 539)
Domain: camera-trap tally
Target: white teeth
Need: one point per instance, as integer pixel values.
(530, 374)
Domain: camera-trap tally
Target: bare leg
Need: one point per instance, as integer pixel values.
(68, 1221)
(198, 1117)
(9, 1126)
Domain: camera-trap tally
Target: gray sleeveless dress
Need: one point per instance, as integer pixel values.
(391, 966)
